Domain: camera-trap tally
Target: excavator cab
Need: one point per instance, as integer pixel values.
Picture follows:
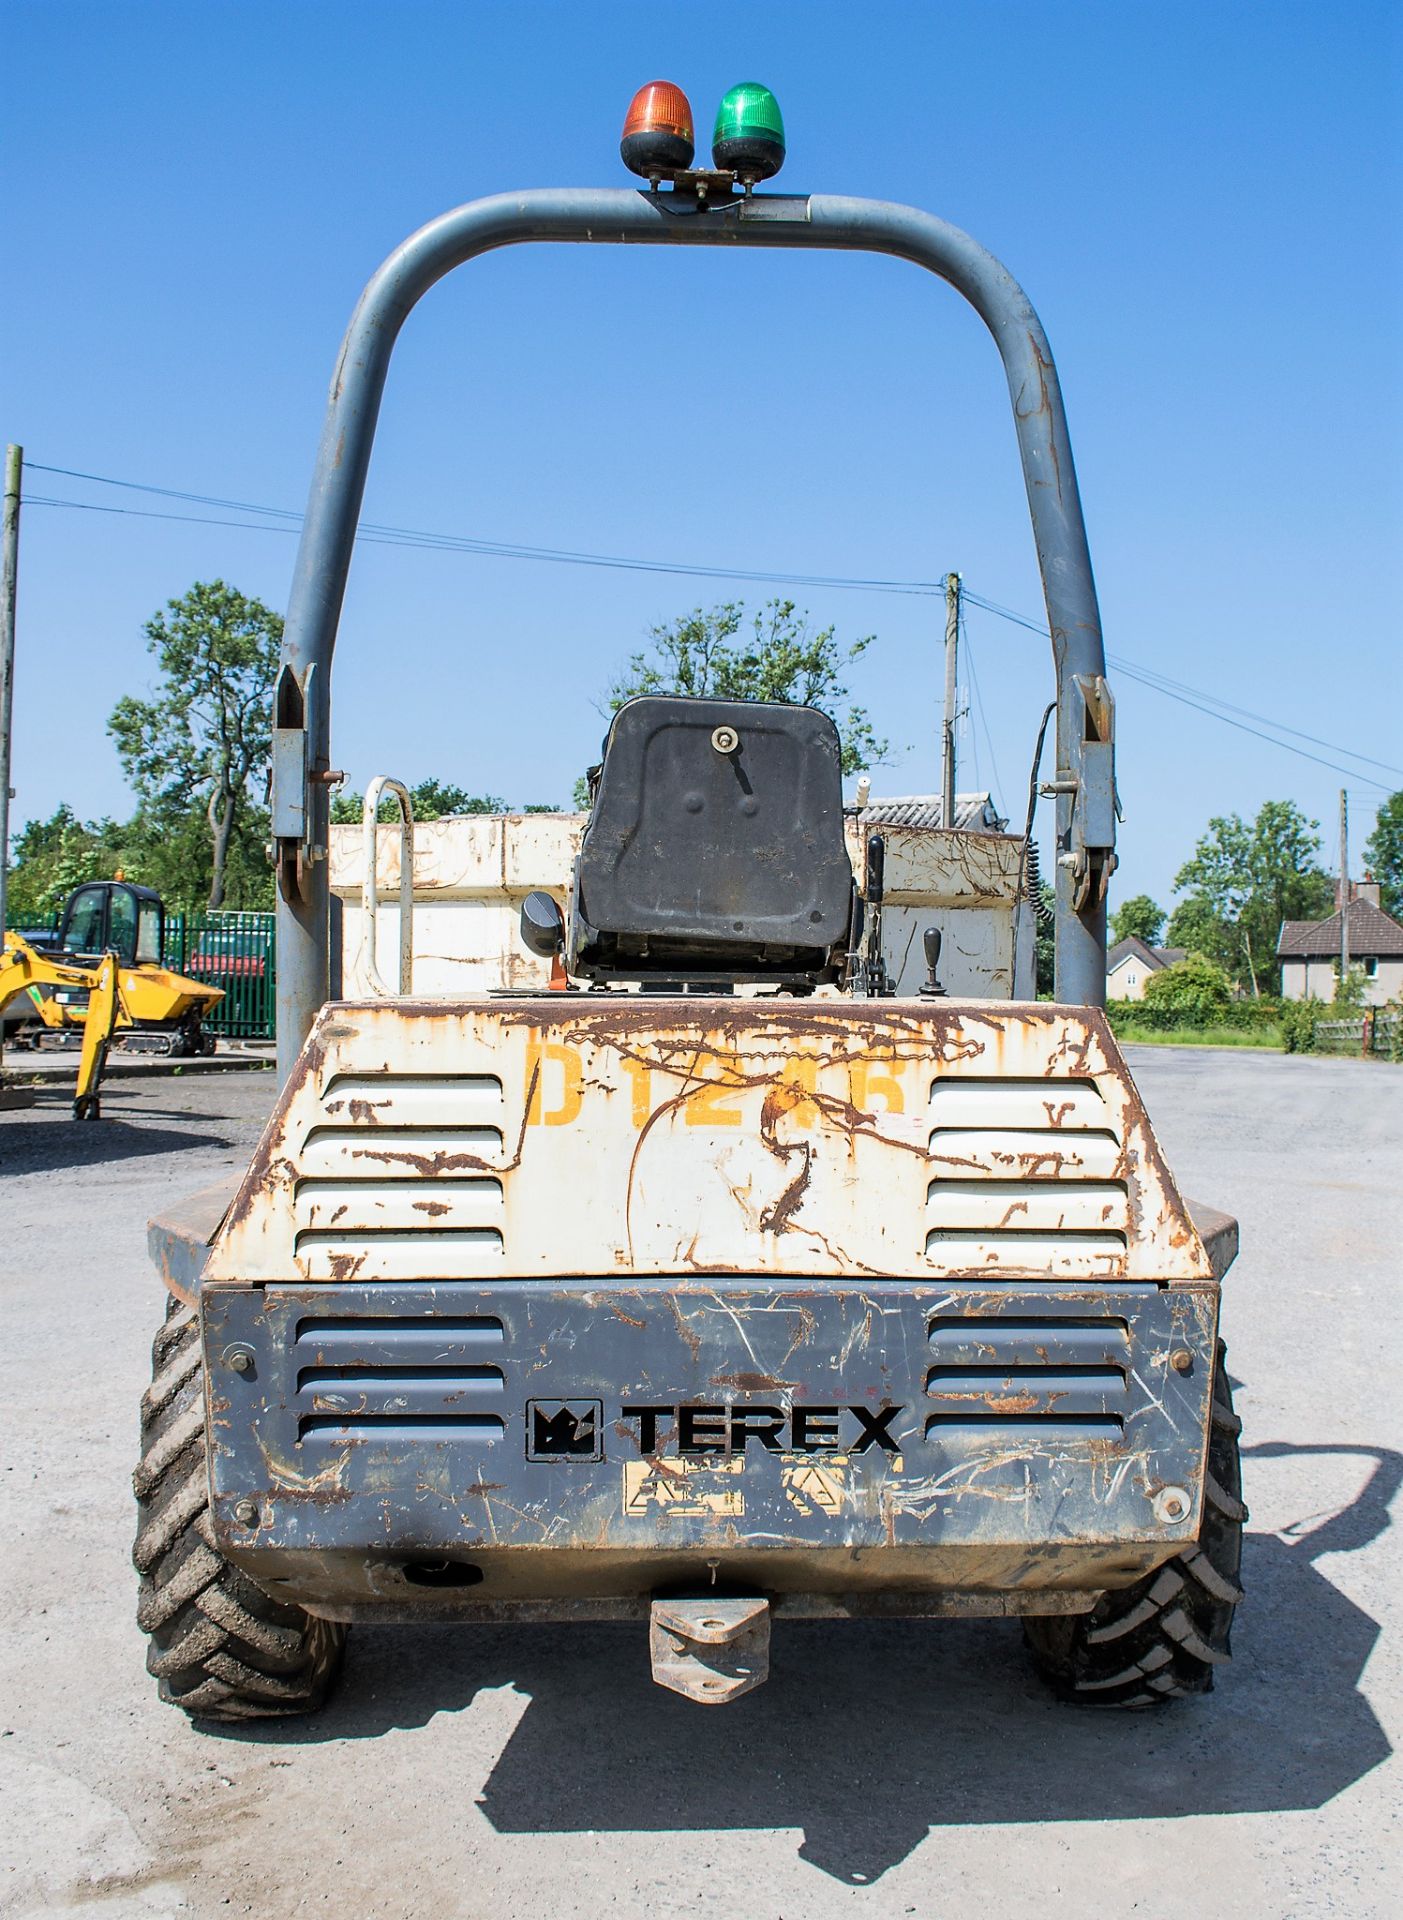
(160, 1011)
(114, 916)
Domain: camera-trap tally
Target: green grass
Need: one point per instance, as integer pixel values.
(1267, 1038)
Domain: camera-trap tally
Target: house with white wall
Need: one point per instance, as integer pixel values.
(1131, 962)
(1309, 951)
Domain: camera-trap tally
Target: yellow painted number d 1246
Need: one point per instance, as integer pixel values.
(706, 1092)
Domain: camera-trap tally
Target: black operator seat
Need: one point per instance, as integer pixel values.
(714, 846)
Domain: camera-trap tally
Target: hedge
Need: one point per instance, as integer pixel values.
(1241, 1016)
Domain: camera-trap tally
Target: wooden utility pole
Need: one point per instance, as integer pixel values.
(1344, 888)
(952, 646)
(9, 579)
(9, 576)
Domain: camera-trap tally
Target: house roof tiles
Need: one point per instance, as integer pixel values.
(1372, 934)
(974, 812)
(1152, 957)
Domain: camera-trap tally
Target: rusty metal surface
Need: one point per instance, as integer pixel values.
(365, 1589)
(471, 875)
(562, 1303)
(597, 1439)
(179, 1239)
(619, 1133)
(710, 1650)
(1218, 1232)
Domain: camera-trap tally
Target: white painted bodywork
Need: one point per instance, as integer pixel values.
(614, 1135)
(471, 875)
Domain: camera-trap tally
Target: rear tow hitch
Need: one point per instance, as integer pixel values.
(709, 1649)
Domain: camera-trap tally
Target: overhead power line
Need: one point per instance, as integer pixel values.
(286, 520)
(1211, 704)
(979, 711)
(379, 534)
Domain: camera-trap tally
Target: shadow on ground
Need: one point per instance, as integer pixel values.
(868, 1735)
(40, 1140)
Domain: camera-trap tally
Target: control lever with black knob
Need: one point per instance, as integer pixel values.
(876, 979)
(931, 941)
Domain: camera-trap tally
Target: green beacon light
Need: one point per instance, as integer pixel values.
(748, 139)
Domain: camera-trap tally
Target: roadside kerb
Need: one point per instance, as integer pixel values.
(41, 1069)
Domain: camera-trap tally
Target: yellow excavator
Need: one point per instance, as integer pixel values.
(160, 1011)
(100, 976)
(23, 967)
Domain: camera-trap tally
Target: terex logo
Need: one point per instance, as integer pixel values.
(564, 1430)
(730, 1429)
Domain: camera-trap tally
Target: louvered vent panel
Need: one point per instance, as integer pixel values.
(414, 1099)
(1025, 1180)
(423, 1152)
(1067, 1378)
(399, 1181)
(394, 1378)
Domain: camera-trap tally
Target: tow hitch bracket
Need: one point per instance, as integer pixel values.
(710, 1650)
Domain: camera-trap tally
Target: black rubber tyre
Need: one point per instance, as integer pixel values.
(219, 1646)
(1163, 1637)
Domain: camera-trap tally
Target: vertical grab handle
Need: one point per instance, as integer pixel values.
(370, 899)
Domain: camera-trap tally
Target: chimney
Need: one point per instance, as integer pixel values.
(1366, 890)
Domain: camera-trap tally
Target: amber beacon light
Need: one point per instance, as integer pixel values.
(657, 137)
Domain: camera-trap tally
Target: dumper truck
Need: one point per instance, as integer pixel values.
(714, 1282)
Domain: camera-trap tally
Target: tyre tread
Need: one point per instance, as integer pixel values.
(1164, 1636)
(220, 1647)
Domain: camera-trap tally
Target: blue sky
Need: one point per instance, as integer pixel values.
(1203, 202)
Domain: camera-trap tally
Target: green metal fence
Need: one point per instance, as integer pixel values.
(233, 951)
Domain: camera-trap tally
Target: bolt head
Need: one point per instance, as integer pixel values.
(246, 1513)
(1181, 1360)
(240, 1359)
(1171, 1505)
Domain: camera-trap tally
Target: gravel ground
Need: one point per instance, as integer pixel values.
(885, 1770)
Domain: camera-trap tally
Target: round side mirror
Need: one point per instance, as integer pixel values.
(542, 925)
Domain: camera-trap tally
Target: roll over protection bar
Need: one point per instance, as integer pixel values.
(1085, 781)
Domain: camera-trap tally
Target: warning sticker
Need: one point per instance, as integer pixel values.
(813, 1487)
(821, 1485)
(684, 1487)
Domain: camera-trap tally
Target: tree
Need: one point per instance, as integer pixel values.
(1138, 918)
(205, 738)
(1045, 942)
(170, 849)
(172, 854)
(1383, 854)
(1242, 882)
(51, 857)
(1196, 926)
(430, 799)
(1193, 985)
(1351, 994)
(780, 659)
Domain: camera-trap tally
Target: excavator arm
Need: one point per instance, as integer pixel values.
(104, 1004)
(23, 966)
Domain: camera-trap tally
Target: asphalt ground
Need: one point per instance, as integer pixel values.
(885, 1770)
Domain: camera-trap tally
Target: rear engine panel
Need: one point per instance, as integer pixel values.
(596, 1442)
(543, 1307)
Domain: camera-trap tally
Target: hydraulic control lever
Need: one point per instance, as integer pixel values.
(931, 942)
(877, 982)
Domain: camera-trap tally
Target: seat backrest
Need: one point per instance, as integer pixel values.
(715, 844)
